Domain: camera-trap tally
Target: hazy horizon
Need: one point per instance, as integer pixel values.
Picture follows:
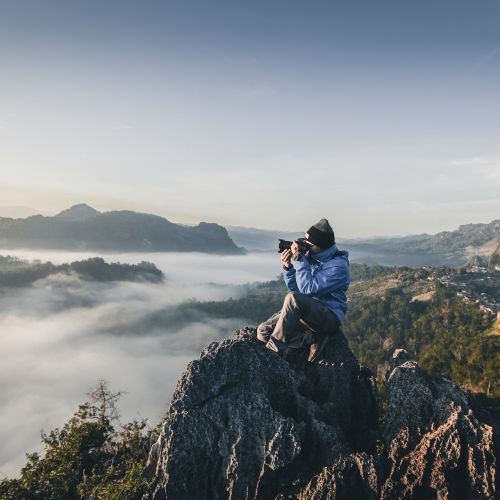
(22, 212)
(381, 117)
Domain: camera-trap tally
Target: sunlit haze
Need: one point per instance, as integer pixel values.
(381, 116)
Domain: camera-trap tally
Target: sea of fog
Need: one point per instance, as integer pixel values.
(60, 336)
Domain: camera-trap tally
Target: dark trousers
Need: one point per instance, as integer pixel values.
(284, 329)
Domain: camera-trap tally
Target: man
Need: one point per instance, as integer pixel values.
(314, 309)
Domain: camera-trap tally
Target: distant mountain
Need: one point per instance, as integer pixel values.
(78, 212)
(445, 241)
(495, 257)
(451, 248)
(467, 235)
(83, 228)
(448, 248)
(260, 239)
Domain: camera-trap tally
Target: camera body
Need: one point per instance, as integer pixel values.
(286, 245)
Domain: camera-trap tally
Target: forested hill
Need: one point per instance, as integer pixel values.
(83, 228)
(470, 242)
(15, 272)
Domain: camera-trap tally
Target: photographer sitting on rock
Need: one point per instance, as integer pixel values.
(317, 275)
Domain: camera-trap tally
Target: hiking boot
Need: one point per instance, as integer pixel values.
(263, 337)
(317, 346)
(264, 334)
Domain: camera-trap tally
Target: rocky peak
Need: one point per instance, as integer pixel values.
(81, 211)
(435, 444)
(247, 423)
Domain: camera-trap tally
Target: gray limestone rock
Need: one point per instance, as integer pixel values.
(436, 447)
(399, 356)
(352, 476)
(245, 423)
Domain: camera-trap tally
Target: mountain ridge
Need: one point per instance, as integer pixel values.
(81, 227)
(364, 239)
(446, 248)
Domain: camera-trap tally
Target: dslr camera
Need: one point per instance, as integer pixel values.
(286, 245)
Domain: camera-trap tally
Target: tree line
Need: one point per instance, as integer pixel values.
(17, 273)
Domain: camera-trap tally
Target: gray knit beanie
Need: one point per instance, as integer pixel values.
(321, 234)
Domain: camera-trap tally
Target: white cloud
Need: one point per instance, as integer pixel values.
(483, 168)
(60, 336)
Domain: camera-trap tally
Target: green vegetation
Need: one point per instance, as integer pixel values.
(265, 299)
(259, 303)
(360, 272)
(88, 458)
(445, 335)
(482, 283)
(8, 263)
(15, 272)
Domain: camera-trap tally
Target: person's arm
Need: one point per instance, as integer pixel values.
(288, 271)
(290, 282)
(326, 280)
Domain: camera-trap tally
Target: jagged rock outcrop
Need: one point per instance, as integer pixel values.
(246, 423)
(435, 444)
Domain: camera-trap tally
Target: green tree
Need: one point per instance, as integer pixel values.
(87, 457)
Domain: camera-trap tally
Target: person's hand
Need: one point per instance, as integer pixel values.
(295, 251)
(286, 257)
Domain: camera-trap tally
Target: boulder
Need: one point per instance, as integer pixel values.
(247, 423)
(436, 447)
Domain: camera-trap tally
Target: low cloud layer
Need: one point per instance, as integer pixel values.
(60, 336)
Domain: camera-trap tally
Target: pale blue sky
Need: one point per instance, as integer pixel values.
(381, 116)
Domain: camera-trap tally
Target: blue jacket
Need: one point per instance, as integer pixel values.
(323, 277)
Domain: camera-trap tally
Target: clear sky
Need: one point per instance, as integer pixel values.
(383, 116)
